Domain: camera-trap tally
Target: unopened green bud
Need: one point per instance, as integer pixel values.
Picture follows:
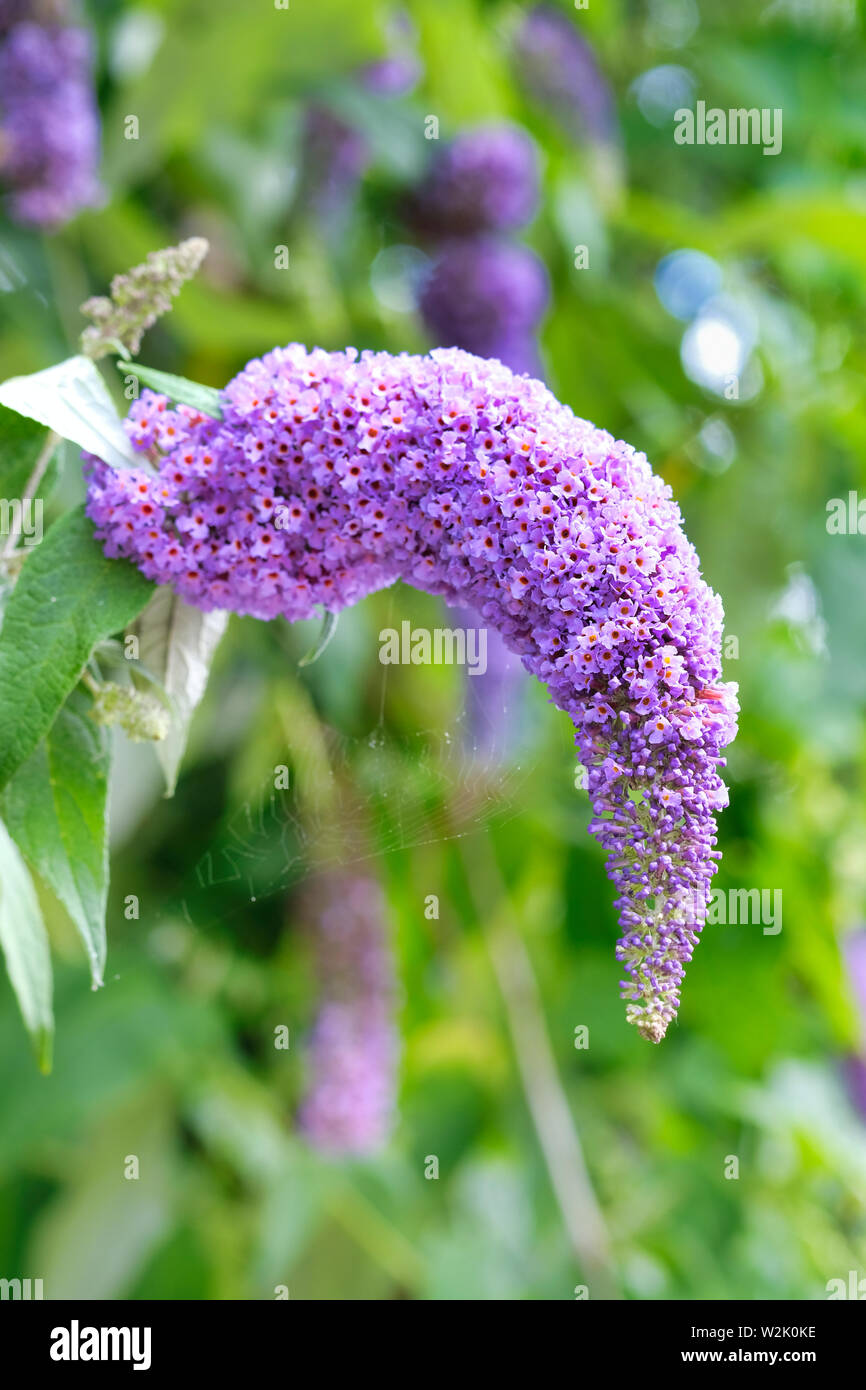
(140, 716)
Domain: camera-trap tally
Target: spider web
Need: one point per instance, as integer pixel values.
(386, 794)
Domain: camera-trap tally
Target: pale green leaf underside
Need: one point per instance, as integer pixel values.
(68, 598)
(178, 388)
(24, 943)
(329, 627)
(176, 645)
(72, 399)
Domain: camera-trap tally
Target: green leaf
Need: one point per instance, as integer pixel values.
(98, 1232)
(176, 646)
(329, 627)
(55, 810)
(392, 131)
(271, 51)
(68, 598)
(24, 942)
(21, 443)
(177, 388)
(73, 400)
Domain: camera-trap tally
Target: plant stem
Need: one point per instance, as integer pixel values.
(374, 1233)
(548, 1106)
(45, 455)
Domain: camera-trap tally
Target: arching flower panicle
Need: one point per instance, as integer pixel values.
(333, 474)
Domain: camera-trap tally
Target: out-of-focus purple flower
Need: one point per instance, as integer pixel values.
(349, 1104)
(335, 156)
(392, 77)
(484, 180)
(483, 293)
(331, 476)
(854, 1074)
(399, 72)
(855, 959)
(49, 124)
(13, 12)
(560, 70)
(854, 1065)
(487, 295)
(491, 708)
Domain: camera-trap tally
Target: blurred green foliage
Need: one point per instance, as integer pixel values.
(173, 1060)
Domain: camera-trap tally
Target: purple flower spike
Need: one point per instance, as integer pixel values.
(335, 159)
(400, 71)
(392, 77)
(560, 69)
(854, 1065)
(333, 475)
(487, 295)
(353, 1049)
(49, 125)
(485, 180)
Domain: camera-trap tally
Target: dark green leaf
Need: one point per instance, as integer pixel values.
(68, 598)
(21, 443)
(55, 810)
